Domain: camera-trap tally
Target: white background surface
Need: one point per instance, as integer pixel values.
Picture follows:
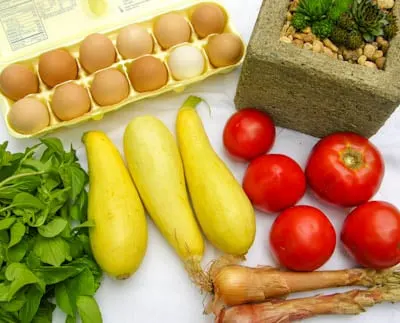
(160, 291)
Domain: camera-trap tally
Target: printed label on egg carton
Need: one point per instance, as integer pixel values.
(188, 45)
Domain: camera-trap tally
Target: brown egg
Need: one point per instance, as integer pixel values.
(109, 87)
(57, 66)
(148, 74)
(70, 101)
(134, 41)
(96, 52)
(17, 81)
(208, 19)
(171, 29)
(28, 116)
(224, 49)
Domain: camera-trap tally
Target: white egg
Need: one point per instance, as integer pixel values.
(186, 62)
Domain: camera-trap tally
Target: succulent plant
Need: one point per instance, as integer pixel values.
(314, 9)
(391, 29)
(339, 36)
(300, 21)
(354, 40)
(323, 28)
(338, 8)
(369, 18)
(346, 21)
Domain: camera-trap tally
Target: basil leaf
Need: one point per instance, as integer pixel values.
(4, 291)
(19, 275)
(7, 223)
(26, 200)
(83, 284)
(4, 237)
(65, 299)
(70, 319)
(16, 303)
(45, 312)
(75, 177)
(31, 306)
(78, 211)
(52, 251)
(17, 232)
(54, 145)
(88, 309)
(17, 253)
(58, 200)
(6, 317)
(52, 276)
(25, 184)
(53, 228)
(33, 262)
(86, 224)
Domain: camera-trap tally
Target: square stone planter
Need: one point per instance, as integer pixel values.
(311, 92)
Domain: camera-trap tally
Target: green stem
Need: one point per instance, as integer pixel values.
(10, 179)
(192, 102)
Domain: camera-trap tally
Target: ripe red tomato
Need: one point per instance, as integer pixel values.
(345, 169)
(302, 238)
(249, 133)
(274, 182)
(371, 234)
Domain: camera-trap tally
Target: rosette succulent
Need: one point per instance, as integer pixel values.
(391, 29)
(339, 36)
(369, 18)
(314, 9)
(300, 21)
(323, 28)
(354, 40)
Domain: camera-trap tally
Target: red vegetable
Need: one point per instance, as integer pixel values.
(345, 169)
(371, 234)
(274, 182)
(302, 238)
(248, 134)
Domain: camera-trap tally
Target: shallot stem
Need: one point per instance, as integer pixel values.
(285, 311)
(235, 285)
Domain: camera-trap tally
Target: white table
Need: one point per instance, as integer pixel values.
(160, 291)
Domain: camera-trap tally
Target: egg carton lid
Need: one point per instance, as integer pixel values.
(31, 27)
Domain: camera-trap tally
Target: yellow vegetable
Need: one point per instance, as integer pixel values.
(221, 206)
(156, 167)
(119, 237)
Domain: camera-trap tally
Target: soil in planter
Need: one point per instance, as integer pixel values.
(356, 31)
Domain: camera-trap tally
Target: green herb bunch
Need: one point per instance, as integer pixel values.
(369, 18)
(44, 243)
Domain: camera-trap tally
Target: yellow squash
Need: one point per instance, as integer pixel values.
(119, 237)
(221, 206)
(156, 167)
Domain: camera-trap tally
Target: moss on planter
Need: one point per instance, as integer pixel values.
(310, 92)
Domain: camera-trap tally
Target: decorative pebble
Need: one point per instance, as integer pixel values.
(340, 57)
(307, 30)
(377, 55)
(380, 40)
(298, 43)
(370, 64)
(308, 46)
(362, 59)
(317, 46)
(359, 52)
(290, 37)
(298, 36)
(289, 16)
(386, 4)
(286, 39)
(350, 55)
(369, 51)
(331, 45)
(328, 52)
(380, 62)
(290, 30)
(308, 38)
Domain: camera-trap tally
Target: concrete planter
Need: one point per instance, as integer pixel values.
(311, 92)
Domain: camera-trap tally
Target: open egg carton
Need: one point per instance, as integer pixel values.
(102, 71)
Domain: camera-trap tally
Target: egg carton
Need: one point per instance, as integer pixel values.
(85, 79)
